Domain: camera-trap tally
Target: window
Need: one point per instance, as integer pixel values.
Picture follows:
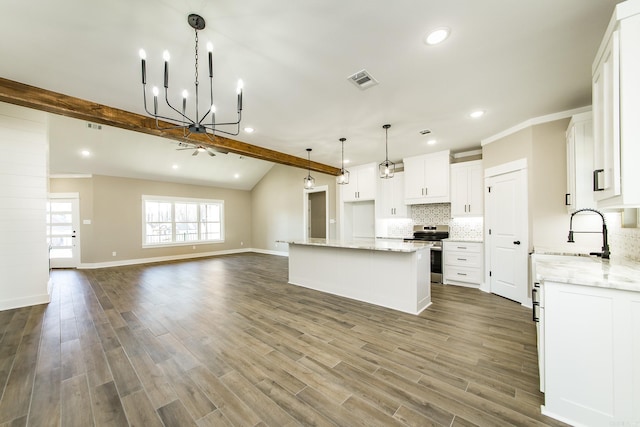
(179, 221)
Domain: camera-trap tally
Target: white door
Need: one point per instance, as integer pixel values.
(63, 228)
(507, 234)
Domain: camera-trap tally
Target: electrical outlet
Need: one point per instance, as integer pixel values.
(113, 253)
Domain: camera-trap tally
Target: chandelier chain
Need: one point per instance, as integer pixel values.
(196, 55)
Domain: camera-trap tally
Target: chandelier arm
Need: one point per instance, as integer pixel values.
(228, 123)
(168, 127)
(166, 98)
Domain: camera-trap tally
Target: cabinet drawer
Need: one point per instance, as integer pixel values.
(462, 274)
(463, 246)
(463, 259)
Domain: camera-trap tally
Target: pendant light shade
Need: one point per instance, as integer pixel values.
(343, 178)
(309, 181)
(387, 168)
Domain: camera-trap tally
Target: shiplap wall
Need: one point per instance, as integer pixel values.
(24, 258)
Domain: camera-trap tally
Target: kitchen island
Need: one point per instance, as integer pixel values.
(390, 274)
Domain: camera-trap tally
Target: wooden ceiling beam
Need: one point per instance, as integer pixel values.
(24, 95)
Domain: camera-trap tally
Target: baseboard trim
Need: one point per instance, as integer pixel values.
(24, 302)
(124, 262)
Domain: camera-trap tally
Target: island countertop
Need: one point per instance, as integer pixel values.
(365, 244)
(588, 271)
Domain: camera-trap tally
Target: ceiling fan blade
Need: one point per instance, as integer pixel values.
(211, 153)
(195, 153)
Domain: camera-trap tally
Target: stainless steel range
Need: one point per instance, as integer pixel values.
(433, 234)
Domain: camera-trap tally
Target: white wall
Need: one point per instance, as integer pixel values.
(24, 258)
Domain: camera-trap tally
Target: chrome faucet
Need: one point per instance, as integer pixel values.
(605, 244)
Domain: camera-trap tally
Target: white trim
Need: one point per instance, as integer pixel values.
(24, 302)
(269, 252)
(533, 122)
(513, 166)
(467, 153)
(123, 262)
(305, 208)
(70, 175)
(63, 195)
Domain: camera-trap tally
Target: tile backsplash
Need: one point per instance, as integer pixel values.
(432, 214)
(623, 242)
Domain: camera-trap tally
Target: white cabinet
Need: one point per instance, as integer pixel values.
(466, 189)
(390, 200)
(362, 184)
(427, 178)
(462, 263)
(616, 108)
(591, 350)
(579, 193)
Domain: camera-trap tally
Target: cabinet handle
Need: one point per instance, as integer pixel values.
(462, 259)
(534, 292)
(566, 199)
(426, 191)
(461, 247)
(422, 190)
(461, 274)
(596, 180)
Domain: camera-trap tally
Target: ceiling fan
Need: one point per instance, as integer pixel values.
(197, 149)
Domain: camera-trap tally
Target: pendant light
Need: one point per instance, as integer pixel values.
(309, 181)
(387, 167)
(343, 178)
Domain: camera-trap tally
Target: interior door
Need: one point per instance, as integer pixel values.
(318, 215)
(508, 234)
(63, 228)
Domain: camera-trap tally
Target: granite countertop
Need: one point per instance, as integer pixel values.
(581, 269)
(461, 240)
(366, 244)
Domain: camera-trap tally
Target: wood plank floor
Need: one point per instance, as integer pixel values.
(225, 341)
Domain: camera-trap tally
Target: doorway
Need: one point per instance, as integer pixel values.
(507, 231)
(63, 226)
(316, 208)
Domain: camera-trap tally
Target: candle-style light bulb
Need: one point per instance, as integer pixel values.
(213, 108)
(155, 100)
(166, 57)
(185, 95)
(239, 91)
(143, 58)
(210, 50)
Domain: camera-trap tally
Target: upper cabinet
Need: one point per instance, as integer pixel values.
(579, 193)
(362, 184)
(466, 189)
(390, 201)
(616, 109)
(426, 178)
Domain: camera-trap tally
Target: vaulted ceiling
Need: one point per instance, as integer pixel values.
(514, 60)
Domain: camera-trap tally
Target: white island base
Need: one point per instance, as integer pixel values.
(393, 276)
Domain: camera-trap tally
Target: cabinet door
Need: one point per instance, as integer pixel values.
(475, 198)
(570, 195)
(350, 191)
(367, 182)
(606, 117)
(413, 178)
(436, 173)
(397, 196)
(459, 190)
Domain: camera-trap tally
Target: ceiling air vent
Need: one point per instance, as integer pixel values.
(363, 79)
(94, 126)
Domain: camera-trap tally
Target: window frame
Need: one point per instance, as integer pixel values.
(181, 200)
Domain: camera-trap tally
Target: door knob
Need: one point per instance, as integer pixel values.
(517, 242)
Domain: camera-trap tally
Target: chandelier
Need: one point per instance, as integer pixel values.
(387, 167)
(343, 178)
(205, 124)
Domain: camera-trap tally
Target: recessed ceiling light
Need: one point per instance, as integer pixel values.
(85, 153)
(476, 114)
(437, 36)
(249, 130)
(346, 161)
(431, 142)
(174, 167)
(236, 176)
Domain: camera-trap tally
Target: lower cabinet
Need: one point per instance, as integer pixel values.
(591, 354)
(462, 263)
